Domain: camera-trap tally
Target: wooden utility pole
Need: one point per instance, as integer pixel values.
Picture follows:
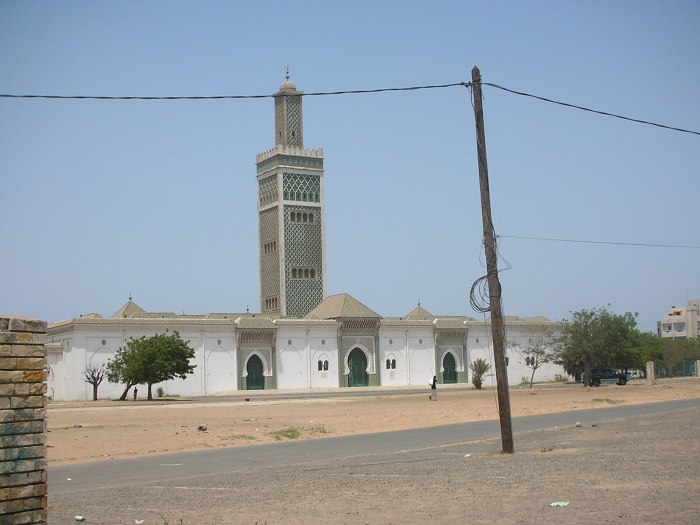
(497, 329)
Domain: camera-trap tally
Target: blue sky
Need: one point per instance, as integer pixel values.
(157, 199)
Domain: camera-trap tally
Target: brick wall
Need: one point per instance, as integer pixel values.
(22, 427)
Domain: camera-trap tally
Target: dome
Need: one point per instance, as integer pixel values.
(288, 86)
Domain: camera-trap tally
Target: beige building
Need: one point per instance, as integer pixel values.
(681, 323)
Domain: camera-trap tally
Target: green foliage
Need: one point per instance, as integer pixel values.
(650, 348)
(598, 338)
(289, 433)
(150, 361)
(674, 353)
(479, 367)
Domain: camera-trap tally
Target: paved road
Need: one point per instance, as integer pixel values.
(157, 469)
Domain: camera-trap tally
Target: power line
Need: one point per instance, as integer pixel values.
(605, 113)
(232, 97)
(647, 245)
(467, 85)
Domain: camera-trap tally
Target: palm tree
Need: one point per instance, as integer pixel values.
(479, 367)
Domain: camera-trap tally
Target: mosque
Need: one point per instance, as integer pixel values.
(302, 339)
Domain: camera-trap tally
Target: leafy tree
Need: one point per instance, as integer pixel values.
(649, 348)
(540, 349)
(597, 338)
(150, 361)
(677, 352)
(123, 369)
(479, 367)
(94, 375)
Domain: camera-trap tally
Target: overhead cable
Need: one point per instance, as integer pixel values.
(468, 85)
(648, 245)
(605, 113)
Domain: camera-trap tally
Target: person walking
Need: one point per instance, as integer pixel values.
(433, 388)
(136, 393)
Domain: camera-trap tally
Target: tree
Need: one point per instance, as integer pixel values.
(649, 349)
(150, 361)
(94, 375)
(479, 367)
(675, 353)
(540, 349)
(597, 338)
(123, 369)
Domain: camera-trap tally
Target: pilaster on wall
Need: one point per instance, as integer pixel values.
(22, 425)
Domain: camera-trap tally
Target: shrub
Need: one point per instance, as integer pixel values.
(479, 367)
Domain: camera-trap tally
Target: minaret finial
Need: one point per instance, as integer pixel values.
(287, 72)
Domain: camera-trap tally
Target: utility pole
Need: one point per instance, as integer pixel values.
(489, 239)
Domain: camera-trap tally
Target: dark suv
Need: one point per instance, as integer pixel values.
(607, 375)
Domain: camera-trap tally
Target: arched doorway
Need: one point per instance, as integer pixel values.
(449, 369)
(255, 379)
(357, 364)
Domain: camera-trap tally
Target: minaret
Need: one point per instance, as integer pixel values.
(291, 218)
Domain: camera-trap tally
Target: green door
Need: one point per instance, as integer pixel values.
(357, 363)
(255, 379)
(449, 373)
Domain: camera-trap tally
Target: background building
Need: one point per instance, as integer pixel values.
(681, 323)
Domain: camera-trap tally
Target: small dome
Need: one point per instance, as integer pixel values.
(288, 86)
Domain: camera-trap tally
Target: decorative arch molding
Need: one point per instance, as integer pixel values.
(267, 371)
(100, 356)
(368, 356)
(322, 354)
(459, 362)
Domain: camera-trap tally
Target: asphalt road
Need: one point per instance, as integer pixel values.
(158, 469)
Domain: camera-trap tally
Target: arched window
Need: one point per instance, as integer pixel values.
(393, 364)
(313, 273)
(320, 366)
(311, 217)
(306, 218)
(306, 273)
(388, 364)
(325, 365)
(294, 273)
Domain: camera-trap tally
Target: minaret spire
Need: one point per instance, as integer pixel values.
(289, 122)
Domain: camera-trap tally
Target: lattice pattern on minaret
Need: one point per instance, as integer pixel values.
(300, 187)
(269, 262)
(267, 190)
(289, 125)
(303, 247)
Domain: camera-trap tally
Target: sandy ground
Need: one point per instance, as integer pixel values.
(95, 431)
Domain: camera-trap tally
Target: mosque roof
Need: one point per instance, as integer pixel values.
(341, 306)
(419, 313)
(253, 322)
(128, 310)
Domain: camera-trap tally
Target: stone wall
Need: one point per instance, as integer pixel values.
(22, 427)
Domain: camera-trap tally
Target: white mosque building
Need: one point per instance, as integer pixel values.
(301, 339)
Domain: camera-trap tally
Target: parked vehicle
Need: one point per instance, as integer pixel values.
(607, 375)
